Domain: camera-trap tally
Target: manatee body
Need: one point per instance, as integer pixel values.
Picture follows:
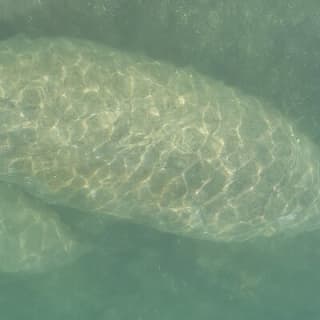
(32, 236)
(89, 127)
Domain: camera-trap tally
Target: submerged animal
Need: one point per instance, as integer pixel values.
(32, 236)
(88, 127)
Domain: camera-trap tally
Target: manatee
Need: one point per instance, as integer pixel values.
(89, 127)
(32, 235)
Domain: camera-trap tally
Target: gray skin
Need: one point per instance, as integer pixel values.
(91, 128)
(266, 48)
(32, 236)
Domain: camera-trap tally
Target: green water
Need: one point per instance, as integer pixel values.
(270, 49)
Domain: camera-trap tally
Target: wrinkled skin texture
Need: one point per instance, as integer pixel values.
(89, 127)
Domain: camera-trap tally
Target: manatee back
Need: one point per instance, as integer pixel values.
(92, 128)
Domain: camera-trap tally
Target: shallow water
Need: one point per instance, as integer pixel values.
(133, 272)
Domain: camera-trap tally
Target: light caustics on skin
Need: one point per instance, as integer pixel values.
(89, 127)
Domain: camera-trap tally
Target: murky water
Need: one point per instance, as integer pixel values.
(268, 49)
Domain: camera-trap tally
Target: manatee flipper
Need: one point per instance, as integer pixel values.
(32, 237)
(89, 127)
